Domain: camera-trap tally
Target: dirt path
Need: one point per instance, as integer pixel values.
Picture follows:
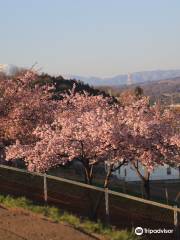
(22, 225)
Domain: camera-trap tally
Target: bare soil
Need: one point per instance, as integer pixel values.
(18, 224)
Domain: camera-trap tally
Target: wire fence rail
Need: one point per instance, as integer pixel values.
(119, 209)
(165, 190)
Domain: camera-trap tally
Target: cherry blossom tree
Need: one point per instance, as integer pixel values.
(22, 108)
(152, 140)
(81, 130)
(27, 106)
(93, 129)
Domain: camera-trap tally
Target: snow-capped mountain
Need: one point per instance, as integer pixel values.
(8, 69)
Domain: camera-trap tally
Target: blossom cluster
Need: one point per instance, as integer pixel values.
(94, 130)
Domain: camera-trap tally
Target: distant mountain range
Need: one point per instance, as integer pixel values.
(119, 80)
(127, 79)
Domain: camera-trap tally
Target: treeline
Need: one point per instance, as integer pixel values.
(45, 126)
(165, 91)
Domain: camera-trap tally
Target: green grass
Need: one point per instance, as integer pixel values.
(60, 216)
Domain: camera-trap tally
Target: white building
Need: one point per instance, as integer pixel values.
(128, 173)
(129, 79)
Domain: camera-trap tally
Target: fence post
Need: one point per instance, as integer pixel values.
(167, 198)
(107, 205)
(176, 227)
(45, 187)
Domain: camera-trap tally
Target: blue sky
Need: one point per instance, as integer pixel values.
(91, 37)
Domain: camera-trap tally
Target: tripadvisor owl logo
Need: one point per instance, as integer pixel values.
(139, 231)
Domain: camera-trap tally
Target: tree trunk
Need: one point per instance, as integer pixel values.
(88, 174)
(100, 198)
(106, 184)
(88, 192)
(146, 185)
(144, 179)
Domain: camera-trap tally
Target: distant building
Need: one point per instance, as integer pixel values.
(165, 172)
(129, 79)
